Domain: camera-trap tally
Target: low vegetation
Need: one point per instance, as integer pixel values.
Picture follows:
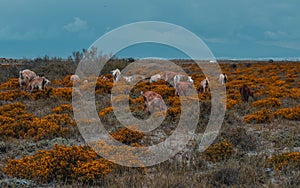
(257, 146)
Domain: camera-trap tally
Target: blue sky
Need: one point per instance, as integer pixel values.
(231, 28)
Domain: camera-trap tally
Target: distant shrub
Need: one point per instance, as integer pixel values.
(231, 103)
(63, 108)
(128, 136)
(288, 113)
(105, 111)
(16, 122)
(103, 86)
(291, 159)
(12, 83)
(62, 93)
(261, 116)
(12, 95)
(268, 102)
(60, 163)
(294, 93)
(219, 151)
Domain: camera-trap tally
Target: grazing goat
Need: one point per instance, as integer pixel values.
(116, 74)
(155, 78)
(149, 96)
(38, 83)
(74, 78)
(128, 79)
(181, 77)
(204, 84)
(26, 76)
(169, 76)
(156, 104)
(223, 78)
(245, 92)
(182, 88)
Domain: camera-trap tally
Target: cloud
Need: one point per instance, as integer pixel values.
(13, 33)
(77, 25)
(294, 45)
(275, 35)
(219, 40)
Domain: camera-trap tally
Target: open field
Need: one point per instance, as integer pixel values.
(258, 144)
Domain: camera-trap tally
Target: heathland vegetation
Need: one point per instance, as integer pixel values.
(258, 144)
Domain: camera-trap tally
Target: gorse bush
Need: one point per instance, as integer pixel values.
(12, 83)
(269, 102)
(18, 123)
(128, 135)
(261, 116)
(60, 163)
(12, 95)
(63, 108)
(219, 151)
(288, 113)
(280, 161)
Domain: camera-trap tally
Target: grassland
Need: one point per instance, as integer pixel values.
(258, 144)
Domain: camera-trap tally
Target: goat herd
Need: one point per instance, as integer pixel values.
(29, 81)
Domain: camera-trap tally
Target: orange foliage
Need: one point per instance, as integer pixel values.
(288, 113)
(268, 102)
(219, 151)
(60, 163)
(284, 159)
(63, 108)
(105, 111)
(128, 135)
(12, 83)
(16, 122)
(261, 116)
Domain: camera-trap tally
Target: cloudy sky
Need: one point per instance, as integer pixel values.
(231, 28)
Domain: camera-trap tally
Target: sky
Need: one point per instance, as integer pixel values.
(233, 29)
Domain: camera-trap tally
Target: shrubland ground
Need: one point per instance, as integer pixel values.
(258, 144)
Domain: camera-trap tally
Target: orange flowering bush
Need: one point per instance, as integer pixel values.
(63, 108)
(261, 116)
(174, 111)
(42, 129)
(12, 83)
(13, 95)
(164, 90)
(16, 122)
(231, 103)
(219, 151)
(121, 88)
(105, 111)
(115, 153)
(60, 163)
(288, 113)
(60, 119)
(281, 160)
(173, 101)
(294, 93)
(92, 170)
(268, 102)
(277, 91)
(128, 135)
(64, 82)
(136, 104)
(63, 93)
(103, 86)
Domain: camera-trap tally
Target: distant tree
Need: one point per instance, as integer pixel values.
(77, 55)
(46, 58)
